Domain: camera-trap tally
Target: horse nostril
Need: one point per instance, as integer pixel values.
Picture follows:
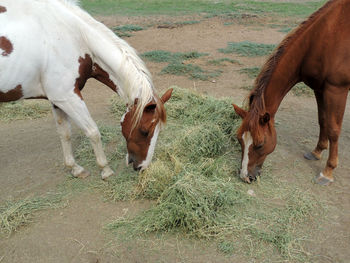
(137, 168)
(130, 161)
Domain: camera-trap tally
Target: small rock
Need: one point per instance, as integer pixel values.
(251, 192)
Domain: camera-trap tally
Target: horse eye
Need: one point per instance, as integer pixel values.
(258, 147)
(144, 133)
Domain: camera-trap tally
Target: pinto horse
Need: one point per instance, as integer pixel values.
(49, 48)
(318, 54)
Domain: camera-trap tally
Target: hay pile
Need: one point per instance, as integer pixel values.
(193, 178)
(194, 163)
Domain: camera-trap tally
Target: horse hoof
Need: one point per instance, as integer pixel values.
(246, 179)
(83, 174)
(107, 172)
(323, 180)
(310, 156)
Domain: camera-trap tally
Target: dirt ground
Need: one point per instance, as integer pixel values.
(31, 160)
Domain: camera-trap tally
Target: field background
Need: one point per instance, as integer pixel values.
(213, 48)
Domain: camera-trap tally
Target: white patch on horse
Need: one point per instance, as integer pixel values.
(127, 159)
(151, 148)
(123, 117)
(248, 140)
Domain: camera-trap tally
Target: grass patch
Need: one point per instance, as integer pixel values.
(182, 7)
(223, 61)
(193, 180)
(124, 30)
(193, 71)
(248, 49)
(177, 66)
(15, 214)
(285, 30)
(177, 24)
(21, 110)
(251, 72)
(301, 89)
(166, 56)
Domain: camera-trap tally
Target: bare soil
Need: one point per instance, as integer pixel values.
(31, 160)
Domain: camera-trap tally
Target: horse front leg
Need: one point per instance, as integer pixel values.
(64, 131)
(76, 109)
(334, 105)
(322, 143)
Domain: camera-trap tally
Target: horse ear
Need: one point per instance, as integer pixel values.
(242, 113)
(166, 96)
(265, 118)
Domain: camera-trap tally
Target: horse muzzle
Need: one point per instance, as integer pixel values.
(252, 175)
(135, 164)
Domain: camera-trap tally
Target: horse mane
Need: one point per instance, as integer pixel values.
(135, 81)
(256, 102)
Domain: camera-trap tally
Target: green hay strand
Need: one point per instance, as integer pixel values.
(22, 110)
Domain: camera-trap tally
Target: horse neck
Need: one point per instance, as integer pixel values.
(293, 55)
(286, 75)
(118, 59)
(286, 72)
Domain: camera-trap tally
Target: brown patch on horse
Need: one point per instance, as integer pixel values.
(5, 45)
(88, 69)
(11, 95)
(85, 70)
(103, 76)
(2, 9)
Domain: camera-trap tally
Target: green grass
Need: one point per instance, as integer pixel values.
(190, 70)
(177, 66)
(285, 29)
(248, 49)
(178, 24)
(22, 110)
(251, 72)
(166, 56)
(182, 7)
(15, 214)
(124, 30)
(223, 61)
(301, 89)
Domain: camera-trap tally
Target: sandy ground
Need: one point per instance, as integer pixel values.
(31, 160)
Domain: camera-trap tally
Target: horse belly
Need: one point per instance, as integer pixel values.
(21, 60)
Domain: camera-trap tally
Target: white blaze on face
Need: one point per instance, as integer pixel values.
(127, 159)
(248, 140)
(151, 148)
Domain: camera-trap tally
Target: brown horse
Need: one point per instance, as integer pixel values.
(318, 54)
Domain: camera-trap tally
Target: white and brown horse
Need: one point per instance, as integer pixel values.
(49, 48)
(318, 54)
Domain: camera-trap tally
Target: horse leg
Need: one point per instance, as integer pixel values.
(64, 130)
(76, 109)
(322, 143)
(334, 105)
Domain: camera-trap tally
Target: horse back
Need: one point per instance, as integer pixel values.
(328, 56)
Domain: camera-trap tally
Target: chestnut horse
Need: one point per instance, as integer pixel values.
(49, 48)
(318, 54)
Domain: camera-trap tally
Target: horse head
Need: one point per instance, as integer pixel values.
(257, 137)
(141, 137)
